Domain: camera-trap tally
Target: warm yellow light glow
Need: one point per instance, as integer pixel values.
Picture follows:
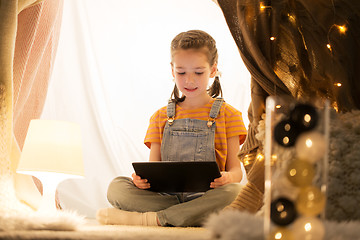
(286, 140)
(273, 159)
(308, 143)
(52, 146)
(342, 28)
(292, 172)
(263, 7)
(52, 152)
(260, 157)
(292, 18)
(307, 227)
(329, 46)
(280, 207)
(311, 196)
(307, 118)
(338, 84)
(246, 160)
(272, 38)
(278, 235)
(278, 106)
(283, 214)
(305, 172)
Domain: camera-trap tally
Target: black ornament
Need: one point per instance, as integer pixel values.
(285, 133)
(305, 116)
(283, 211)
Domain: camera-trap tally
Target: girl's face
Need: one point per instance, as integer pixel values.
(191, 71)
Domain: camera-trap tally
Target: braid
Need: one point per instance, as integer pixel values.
(175, 95)
(215, 89)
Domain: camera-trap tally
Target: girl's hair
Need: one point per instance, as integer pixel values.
(196, 39)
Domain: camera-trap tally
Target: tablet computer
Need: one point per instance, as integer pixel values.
(194, 176)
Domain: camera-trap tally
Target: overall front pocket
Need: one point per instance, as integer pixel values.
(187, 146)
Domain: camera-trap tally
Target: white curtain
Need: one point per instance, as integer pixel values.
(112, 72)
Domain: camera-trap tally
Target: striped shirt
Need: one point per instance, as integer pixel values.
(229, 123)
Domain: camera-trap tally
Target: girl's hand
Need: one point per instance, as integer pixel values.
(139, 182)
(226, 177)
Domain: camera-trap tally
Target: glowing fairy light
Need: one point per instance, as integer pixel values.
(278, 235)
(293, 172)
(247, 160)
(307, 118)
(273, 159)
(308, 143)
(272, 38)
(307, 227)
(338, 84)
(329, 46)
(278, 106)
(263, 7)
(291, 18)
(260, 157)
(342, 28)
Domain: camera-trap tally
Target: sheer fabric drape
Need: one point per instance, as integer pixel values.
(112, 72)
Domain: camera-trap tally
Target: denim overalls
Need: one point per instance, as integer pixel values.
(189, 139)
(180, 209)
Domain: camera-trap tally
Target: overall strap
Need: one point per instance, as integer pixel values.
(171, 112)
(215, 109)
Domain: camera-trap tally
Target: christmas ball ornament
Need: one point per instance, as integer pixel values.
(281, 234)
(310, 201)
(285, 133)
(283, 211)
(308, 228)
(305, 116)
(300, 173)
(310, 146)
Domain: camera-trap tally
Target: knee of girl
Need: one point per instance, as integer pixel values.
(117, 189)
(231, 191)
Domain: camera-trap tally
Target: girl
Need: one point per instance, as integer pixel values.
(200, 117)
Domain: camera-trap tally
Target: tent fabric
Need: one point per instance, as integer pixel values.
(28, 40)
(35, 50)
(114, 59)
(299, 48)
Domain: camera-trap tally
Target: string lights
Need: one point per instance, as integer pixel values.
(342, 29)
(296, 190)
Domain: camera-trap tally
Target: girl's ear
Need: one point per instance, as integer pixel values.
(213, 70)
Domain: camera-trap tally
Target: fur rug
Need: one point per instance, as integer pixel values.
(15, 215)
(94, 231)
(343, 194)
(57, 221)
(236, 225)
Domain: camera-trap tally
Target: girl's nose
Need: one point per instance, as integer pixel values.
(190, 79)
